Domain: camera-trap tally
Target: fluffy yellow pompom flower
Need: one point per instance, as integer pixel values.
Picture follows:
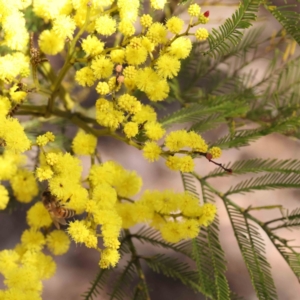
(186, 164)
(201, 34)
(15, 280)
(158, 4)
(176, 140)
(183, 164)
(105, 172)
(146, 20)
(3, 197)
(117, 56)
(157, 33)
(102, 88)
(38, 216)
(190, 229)
(216, 152)
(44, 264)
(129, 103)
(196, 142)
(43, 140)
(58, 242)
(131, 129)
(105, 25)
(24, 185)
(147, 113)
(33, 240)
(14, 27)
(109, 257)
(104, 196)
(175, 25)
(12, 133)
(180, 48)
(171, 232)
(64, 26)
(207, 214)
(194, 10)
(154, 130)
(102, 67)
(43, 173)
(151, 151)
(8, 261)
(127, 183)
(9, 163)
(106, 115)
(135, 52)
(92, 45)
(84, 143)
(12, 65)
(126, 28)
(167, 66)
(78, 231)
(50, 43)
(85, 76)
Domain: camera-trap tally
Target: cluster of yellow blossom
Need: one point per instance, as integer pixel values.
(25, 266)
(176, 215)
(140, 63)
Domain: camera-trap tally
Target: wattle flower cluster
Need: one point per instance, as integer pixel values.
(141, 62)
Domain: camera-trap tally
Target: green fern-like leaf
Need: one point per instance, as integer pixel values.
(291, 257)
(253, 251)
(231, 32)
(172, 267)
(97, 285)
(197, 112)
(120, 285)
(291, 220)
(288, 17)
(216, 252)
(188, 181)
(152, 236)
(257, 165)
(266, 182)
(244, 137)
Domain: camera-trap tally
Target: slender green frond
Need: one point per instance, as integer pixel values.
(216, 252)
(152, 236)
(213, 120)
(172, 267)
(257, 165)
(188, 181)
(291, 257)
(193, 112)
(231, 32)
(97, 285)
(244, 137)
(120, 285)
(253, 251)
(266, 182)
(197, 112)
(291, 220)
(139, 293)
(204, 264)
(288, 17)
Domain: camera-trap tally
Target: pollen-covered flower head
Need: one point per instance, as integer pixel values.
(105, 25)
(84, 143)
(13, 135)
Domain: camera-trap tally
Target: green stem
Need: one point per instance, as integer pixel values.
(55, 86)
(137, 263)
